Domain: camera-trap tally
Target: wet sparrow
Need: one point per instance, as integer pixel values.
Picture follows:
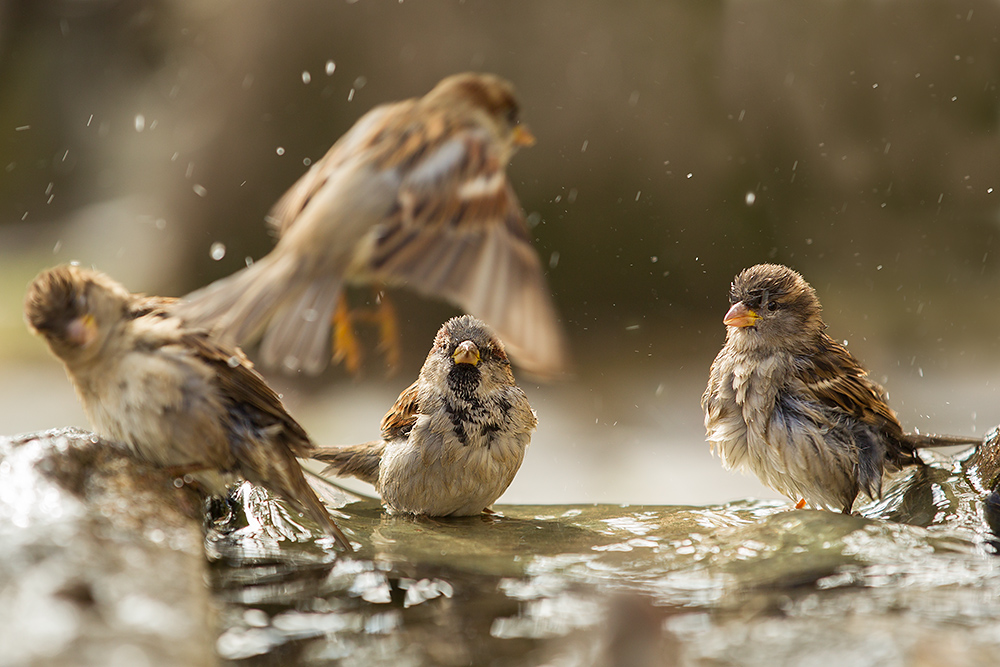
(415, 194)
(172, 394)
(791, 404)
(455, 438)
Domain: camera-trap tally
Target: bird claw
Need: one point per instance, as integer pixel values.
(389, 344)
(346, 348)
(345, 342)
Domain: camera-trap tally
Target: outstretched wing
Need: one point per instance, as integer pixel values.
(457, 231)
(357, 141)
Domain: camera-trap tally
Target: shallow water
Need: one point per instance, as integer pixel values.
(909, 580)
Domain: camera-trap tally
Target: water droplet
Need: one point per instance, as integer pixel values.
(554, 259)
(306, 76)
(331, 67)
(279, 150)
(217, 251)
(750, 198)
(199, 190)
(140, 122)
(233, 361)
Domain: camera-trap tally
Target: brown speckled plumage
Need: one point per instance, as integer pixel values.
(791, 404)
(415, 194)
(455, 438)
(174, 395)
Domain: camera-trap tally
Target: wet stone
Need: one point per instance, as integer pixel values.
(101, 559)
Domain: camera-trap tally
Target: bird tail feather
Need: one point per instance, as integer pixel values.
(928, 440)
(275, 299)
(361, 461)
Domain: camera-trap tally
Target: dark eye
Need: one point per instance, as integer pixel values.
(772, 306)
(513, 114)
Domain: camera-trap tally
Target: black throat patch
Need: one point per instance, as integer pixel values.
(463, 380)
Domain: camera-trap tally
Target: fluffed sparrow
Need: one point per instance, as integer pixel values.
(172, 394)
(455, 438)
(414, 194)
(791, 404)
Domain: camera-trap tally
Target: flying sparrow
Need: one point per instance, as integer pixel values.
(455, 438)
(414, 194)
(172, 394)
(792, 405)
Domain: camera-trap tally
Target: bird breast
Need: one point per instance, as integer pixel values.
(160, 405)
(450, 466)
(737, 419)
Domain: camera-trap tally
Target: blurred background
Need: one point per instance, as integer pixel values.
(679, 142)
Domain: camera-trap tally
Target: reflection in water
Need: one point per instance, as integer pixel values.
(744, 583)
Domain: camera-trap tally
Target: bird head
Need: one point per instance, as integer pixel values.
(772, 304)
(471, 356)
(489, 97)
(74, 309)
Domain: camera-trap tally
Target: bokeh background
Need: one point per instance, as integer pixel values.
(679, 142)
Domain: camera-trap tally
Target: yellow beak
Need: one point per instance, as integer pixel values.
(466, 353)
(523, 136)
(740, 316)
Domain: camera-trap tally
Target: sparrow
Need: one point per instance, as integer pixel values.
(794, 406)
(415, 194)
(172, 394)
(455, 438)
